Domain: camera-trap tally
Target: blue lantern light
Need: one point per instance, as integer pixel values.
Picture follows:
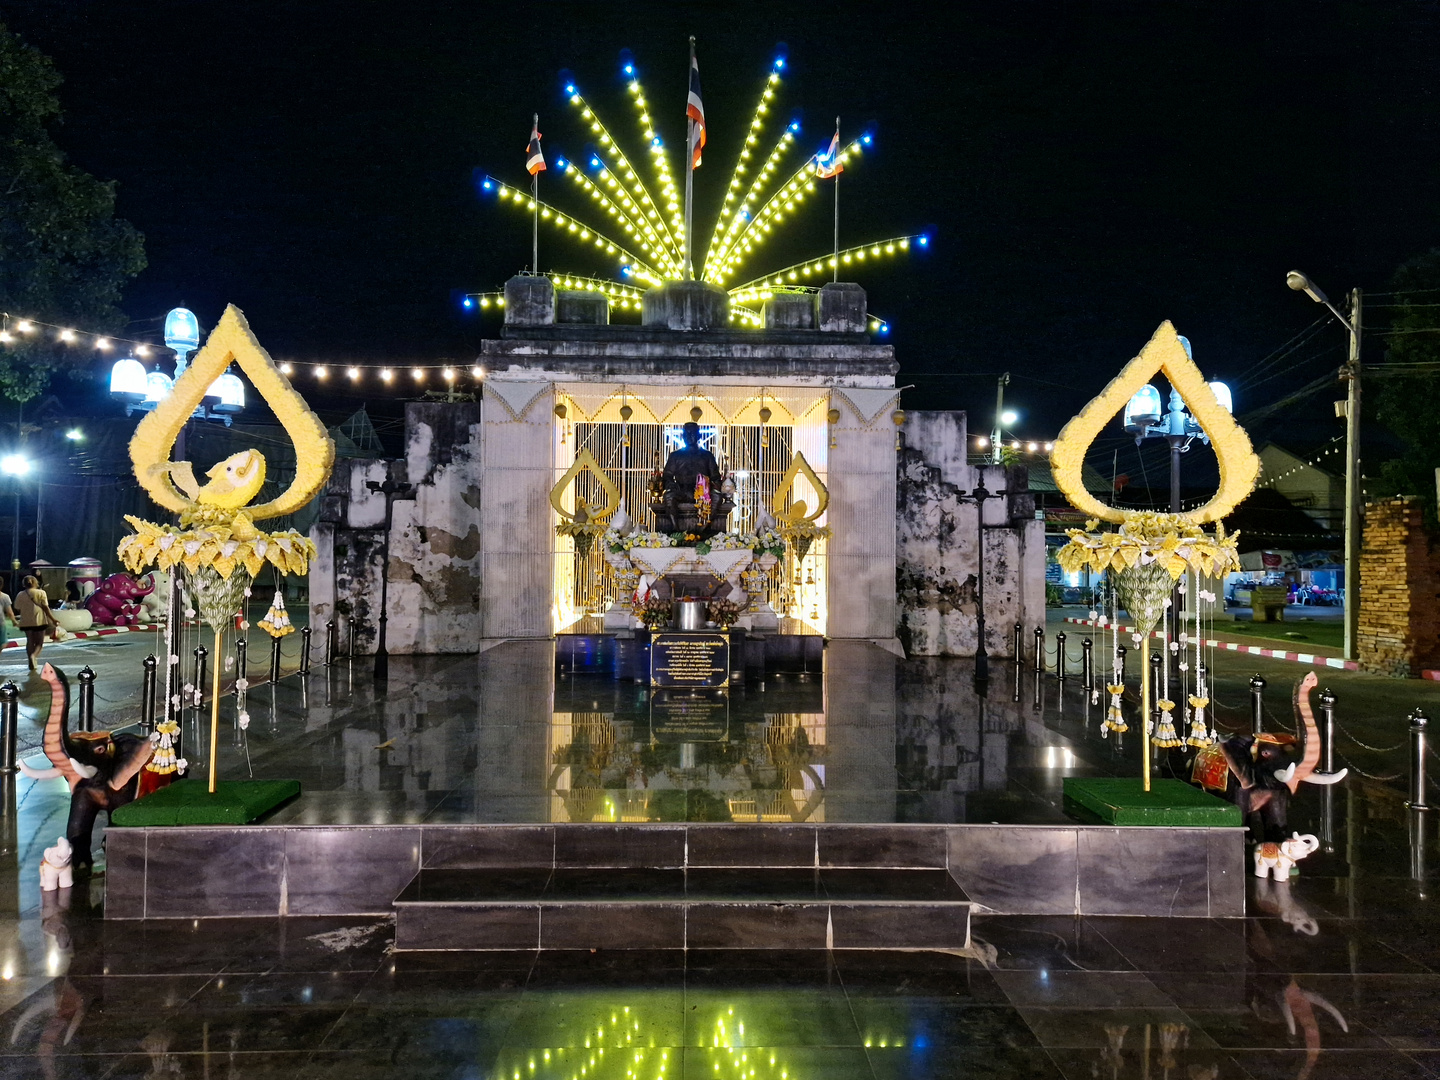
(157, 386)
(924, 241)
(560, 164)
(779, 63)
(467, 302)
(231, 392)
(595, 163)
(127, 377)
(487, 185)
(570, 88)
(1223, 396)
(1143, 410)
(865, 139)
(629, 69)
(182, 330)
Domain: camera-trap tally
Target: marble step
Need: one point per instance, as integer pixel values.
(751, 908)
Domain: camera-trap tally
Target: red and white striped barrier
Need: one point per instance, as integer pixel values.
(1255, 650)
(95, 632)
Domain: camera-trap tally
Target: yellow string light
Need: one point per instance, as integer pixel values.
(897, 245)
(627, 171)
(561, 220)
(757, 123)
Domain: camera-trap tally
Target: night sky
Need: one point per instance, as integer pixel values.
(1087, 170)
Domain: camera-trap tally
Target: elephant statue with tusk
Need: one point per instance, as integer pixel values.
(104, 769)
(1259, 773)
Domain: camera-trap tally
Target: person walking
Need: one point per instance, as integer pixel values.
(7, 616)
(35, 617)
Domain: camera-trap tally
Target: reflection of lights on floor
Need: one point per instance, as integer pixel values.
(1060, 757)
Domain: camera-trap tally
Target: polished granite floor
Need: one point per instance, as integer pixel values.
(506, 737)
(1336, 974)
(1304, 988)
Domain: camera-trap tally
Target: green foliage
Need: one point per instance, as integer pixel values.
(64, 255)
(1409, 404)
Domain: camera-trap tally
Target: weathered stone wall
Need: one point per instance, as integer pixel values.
(938, 546)
(1399, 632)
(435, 569)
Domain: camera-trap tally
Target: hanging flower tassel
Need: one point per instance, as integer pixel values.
(163, 761)
(1198, 735)
(1166, 735)
(1114, 715)
(276, 622)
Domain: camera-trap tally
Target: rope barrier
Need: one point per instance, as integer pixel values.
(1369, 776)
(1373, 749)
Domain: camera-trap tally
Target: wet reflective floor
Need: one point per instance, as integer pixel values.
(1336, 973)
(1277, 995)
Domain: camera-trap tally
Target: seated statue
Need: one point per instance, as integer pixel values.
(692, 499)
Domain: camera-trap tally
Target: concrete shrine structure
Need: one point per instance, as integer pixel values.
(474, 557)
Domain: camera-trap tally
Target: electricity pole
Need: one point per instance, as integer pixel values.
(1349, 409)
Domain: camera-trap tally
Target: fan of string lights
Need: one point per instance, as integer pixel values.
(641, 224)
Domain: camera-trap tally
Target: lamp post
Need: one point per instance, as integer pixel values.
(1144, 420)
(982, 657)
(1349, 409)
(392, 490)
(17, 467)
(1002, 419)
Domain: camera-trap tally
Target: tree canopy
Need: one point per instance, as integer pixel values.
(1408, 401)
(64, 255)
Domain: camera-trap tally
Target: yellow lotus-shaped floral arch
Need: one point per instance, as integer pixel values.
(1165, 355)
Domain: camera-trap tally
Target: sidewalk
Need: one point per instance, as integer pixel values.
(1313, 658)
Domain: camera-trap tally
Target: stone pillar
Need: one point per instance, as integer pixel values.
(938, 554)
(516, 521)
(861, 551)
(1398, 592)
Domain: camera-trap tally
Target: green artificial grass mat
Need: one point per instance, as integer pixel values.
(189, 802)
(1124, 801)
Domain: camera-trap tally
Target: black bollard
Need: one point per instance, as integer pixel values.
(1060, 657)
(1327, 731)
(1039, 650)
(147, 692)
(9, 726)
(330, 643)
(1418, 723)
(1087, 665)
(1019, 645)
(274, 660)
(1257, 704)
(1155, 661)
(198, 697)
(86, 713)
(1122, 652)
(305, 650)
(241, 647)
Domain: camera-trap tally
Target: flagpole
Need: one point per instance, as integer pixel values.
(689, 164)
(535, 228)
(835, 256)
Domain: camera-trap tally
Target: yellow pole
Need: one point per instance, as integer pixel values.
(215, 713)
(1144, 710)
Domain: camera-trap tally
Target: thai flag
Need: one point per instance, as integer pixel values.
(534, 158)
(828, 164)
(695, 110)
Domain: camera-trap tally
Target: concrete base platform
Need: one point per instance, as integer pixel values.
(259, 870)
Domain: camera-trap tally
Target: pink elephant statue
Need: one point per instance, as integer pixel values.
(117, 600)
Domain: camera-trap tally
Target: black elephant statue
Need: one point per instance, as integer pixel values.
(104, 769)
(1259, 773)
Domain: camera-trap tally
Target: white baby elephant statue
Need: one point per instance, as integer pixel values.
(55, 870)
(1279, 858)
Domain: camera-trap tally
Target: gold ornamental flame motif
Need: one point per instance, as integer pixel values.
(1164, 355)
(797, 512)
(585, 460)
(235, 478)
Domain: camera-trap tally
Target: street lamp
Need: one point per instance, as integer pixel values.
(1349, 409)
(16, 466)
(1144, 420)
(392, 490)
(982, 658)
